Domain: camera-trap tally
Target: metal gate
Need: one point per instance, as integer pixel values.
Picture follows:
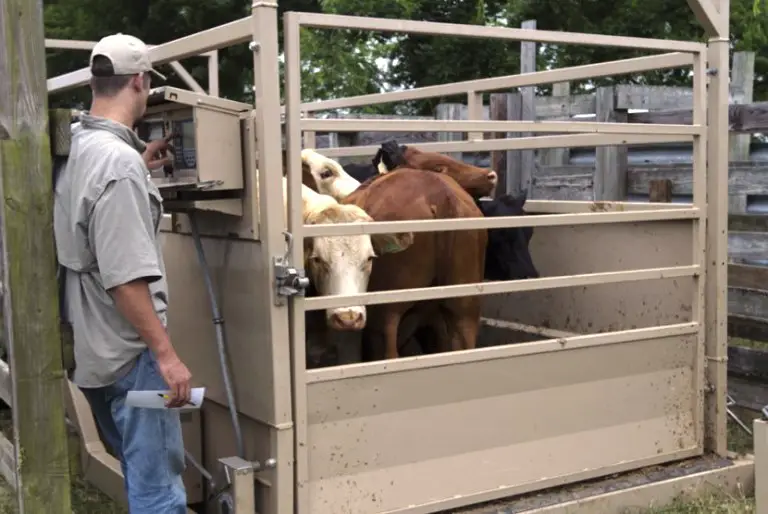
(442, 431)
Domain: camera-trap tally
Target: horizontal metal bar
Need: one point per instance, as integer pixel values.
(528, 329)
(539, 220)
(328, 21)
(69, 44)
(239, 31)
(522, 143)
(437, 360)
(78, 44)
(580, 206)
(373, 125)
(603, 69)
(500, 287)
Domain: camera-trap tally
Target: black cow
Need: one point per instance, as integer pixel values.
(390, 155)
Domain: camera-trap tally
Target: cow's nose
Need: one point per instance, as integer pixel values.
(493, 177)
(347, 320)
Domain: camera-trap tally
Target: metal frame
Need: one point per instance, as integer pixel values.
(189, 80)
(286, 417)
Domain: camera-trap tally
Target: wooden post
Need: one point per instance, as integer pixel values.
(611, 163)
(451, 111)
(528, 111)
(498, 105)
(558, 156)
(741, 86)
(31, 321)
(660, 190)
(513, 172)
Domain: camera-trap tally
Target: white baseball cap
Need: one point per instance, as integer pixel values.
(128, 54)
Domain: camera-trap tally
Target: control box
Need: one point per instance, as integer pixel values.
(208, 159)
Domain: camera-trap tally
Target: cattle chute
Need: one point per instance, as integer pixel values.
(630, 359)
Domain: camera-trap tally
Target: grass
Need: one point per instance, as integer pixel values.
(86, 499)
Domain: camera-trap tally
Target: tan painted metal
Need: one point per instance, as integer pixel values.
(624, 362)
(213, 63)
(760, 437)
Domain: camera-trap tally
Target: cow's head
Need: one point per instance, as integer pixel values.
(389, 157)
(476, 181)
(341, 265)
(326, 175)
(508, 256)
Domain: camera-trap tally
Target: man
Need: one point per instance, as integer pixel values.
(106, 219)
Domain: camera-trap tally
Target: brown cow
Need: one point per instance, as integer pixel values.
(434, 258)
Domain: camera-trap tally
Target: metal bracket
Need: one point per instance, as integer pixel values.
(289, 281)
(712, 71)
(730, 402)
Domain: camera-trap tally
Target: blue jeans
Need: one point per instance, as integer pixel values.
(148, 442)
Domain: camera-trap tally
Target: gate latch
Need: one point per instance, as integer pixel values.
(289, 281)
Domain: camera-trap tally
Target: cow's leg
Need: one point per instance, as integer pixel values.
(392, 315)
(466, 322)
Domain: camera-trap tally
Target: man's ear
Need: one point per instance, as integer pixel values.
(391, 243)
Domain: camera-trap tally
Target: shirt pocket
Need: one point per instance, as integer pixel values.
(156, 205)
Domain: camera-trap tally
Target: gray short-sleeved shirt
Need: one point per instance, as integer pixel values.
(106, 221)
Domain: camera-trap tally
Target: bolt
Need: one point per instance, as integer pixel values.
(254, 46)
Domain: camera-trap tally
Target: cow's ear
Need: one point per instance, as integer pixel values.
(391, 243)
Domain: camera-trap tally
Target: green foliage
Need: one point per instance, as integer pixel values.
(338, 63)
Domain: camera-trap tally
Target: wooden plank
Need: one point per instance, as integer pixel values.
(574, 187)
(751, 303)
(528, 112)
(741, 118)
(451, 111)
(741, 87)
(610, 161)
(31, 317)
(498, 104)
(660, 190)
(557, 156)
(747, 393)
(630, 96)
(748, 248)
(748, 222)
(557, 106)
(750, 363)
(514, 157)
(753, 329)
(744, 275)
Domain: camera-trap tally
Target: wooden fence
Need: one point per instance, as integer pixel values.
(748, 313)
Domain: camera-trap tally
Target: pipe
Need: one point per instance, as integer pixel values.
(201, 469)
(218, 322)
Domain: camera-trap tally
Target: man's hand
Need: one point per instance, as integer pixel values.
(158, 152)
(178, 378)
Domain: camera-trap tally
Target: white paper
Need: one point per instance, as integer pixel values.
(158, 399)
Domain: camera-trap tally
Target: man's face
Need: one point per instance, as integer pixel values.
(145, 82)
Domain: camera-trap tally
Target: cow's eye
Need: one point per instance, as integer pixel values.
(326, 174)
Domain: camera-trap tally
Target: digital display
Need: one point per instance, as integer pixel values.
(184, 144)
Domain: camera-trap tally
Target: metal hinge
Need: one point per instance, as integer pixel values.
(289, 281)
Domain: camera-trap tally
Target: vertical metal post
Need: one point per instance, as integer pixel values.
(717, 237)
(699, 239)
(291, 28)
(240, 472)
(213, 73)
(760, 438)
(279, 496)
